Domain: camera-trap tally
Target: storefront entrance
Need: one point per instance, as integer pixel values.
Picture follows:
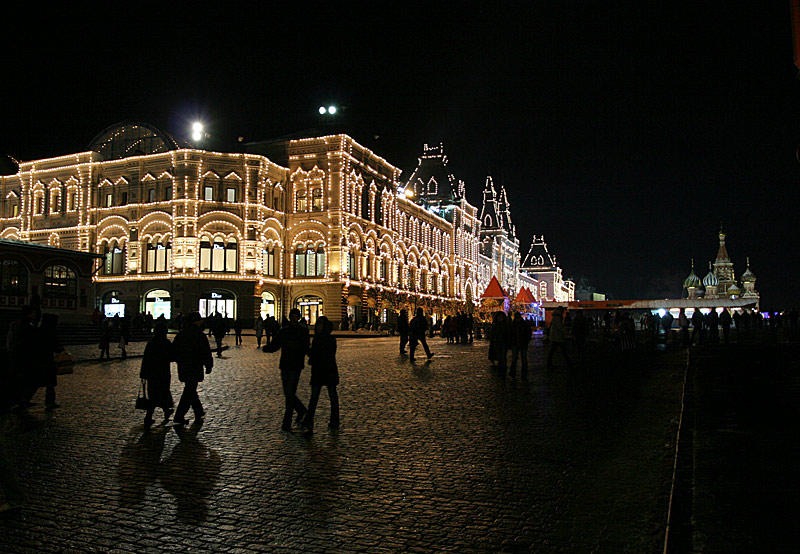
(310, 308)
(113, 304)
(158, 303)
(267, 305)
(218, 302)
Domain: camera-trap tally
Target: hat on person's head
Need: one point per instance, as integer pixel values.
(193, 317)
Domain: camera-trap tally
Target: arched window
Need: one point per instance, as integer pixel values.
(268, 261)
(309, 261)
(302, 201)
(351, 265)
(60, 281)
(316, 199)
(113, 259)
(542, 290)
(320, 255)
(379, 209)
(158, 256)
(13, 278)
(365, 202)
(55, 200)
(219, 256)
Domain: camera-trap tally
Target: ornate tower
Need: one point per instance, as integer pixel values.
(723, 267)
(491, 215)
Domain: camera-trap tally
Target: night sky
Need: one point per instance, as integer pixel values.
(625, 132)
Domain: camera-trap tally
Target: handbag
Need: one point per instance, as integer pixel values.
(64, 363)
(142, 402)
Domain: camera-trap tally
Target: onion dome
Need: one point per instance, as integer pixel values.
(734, 290)
(710, 280)
(748, 276)
(692, 281)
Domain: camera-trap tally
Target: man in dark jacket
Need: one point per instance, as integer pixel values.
(292, 341)
(418, 326)
(402, 328)
(192, 352)
(522, 333)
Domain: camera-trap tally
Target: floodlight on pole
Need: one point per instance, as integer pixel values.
(322, 110)
(331, 110)
(197, 131)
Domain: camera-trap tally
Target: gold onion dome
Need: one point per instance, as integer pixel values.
(692, 281)
(733, 290)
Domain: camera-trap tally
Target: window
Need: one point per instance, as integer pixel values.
(351, 265)
(378, 210)
(13, 278)
(302, 201)
(269, 261)
(231, 194)
(151, 195)
(55, 200)
(167, 193)
(309, 261)
(14, 210)
(365, 203)
(113, 259)
(60, 281)
(208, 193)
(124, 198)
(109, 200)
(411, 279)
(158, 257)
(40, 205)
(219, 256)
(316, 195)
(72, 201)
(384, 269)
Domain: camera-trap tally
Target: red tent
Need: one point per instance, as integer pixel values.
(525, 296)
(494, 290)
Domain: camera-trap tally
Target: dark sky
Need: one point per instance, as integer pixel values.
(625, 132)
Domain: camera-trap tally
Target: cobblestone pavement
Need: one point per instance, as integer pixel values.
(443, 456)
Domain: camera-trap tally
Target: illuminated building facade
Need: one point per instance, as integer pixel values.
(318, 223)
(543, 266)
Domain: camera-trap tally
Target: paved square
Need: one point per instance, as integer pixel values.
(434, 457)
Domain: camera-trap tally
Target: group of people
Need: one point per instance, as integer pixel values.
(32, 344)
(413, 333)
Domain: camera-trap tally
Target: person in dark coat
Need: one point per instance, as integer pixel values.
(292, 341)
(500, 339)
(47, 346)
(258, 327)
(158, 354)
(403, 329)
(521, 332)
(21, 348)
(324, 373)
(417, 327)
(219, 328)
(237, 329)
(192, 352)
(105, 340)
(698, 319)
(725, 322)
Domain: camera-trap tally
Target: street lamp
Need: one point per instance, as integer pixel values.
(197, 131)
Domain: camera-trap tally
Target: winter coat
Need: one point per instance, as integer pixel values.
(558, 332)
(192, 352)
(158, 354)
(322, 359)
(292, 341)
(418, 326)
(402, 324)
(522, 333)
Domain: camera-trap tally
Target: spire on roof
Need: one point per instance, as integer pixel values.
(491, 217)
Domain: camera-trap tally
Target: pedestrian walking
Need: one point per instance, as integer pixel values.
(258, 327)
(417, 328)
(219, 328)
(292, 341)
(712, 323)
(500, 340)
(124, 337)
(158, 355)
(697, 327)
(666, 325)
(403, 328)
(324, 373)
(522, 333)
(105, 340)
(47, 346)
(193, 353)
(558, 337)
(237, 330)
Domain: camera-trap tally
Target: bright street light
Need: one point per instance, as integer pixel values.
(197, 131)
(322, 110)
(331, 110)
